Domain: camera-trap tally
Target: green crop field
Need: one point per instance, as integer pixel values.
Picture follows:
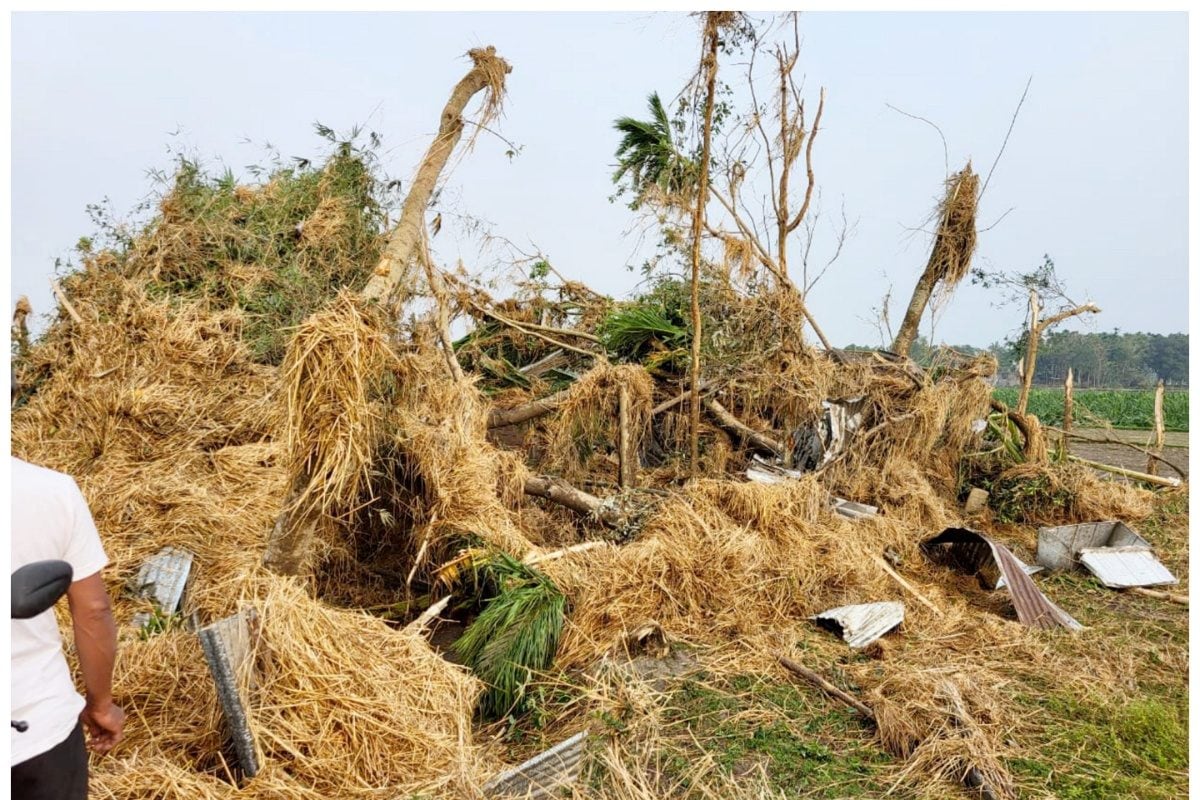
(1131, 409)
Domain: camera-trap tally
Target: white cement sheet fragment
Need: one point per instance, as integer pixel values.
(543, 776)
(862, 624)
(1125, 567)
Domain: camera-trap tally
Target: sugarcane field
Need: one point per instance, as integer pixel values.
(396, 503)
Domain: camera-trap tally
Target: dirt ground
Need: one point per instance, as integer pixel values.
(1118, 455)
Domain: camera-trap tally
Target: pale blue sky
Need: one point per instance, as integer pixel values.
(1096, 170)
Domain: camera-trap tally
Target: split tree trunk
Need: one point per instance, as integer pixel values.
(1068, 410)
(397, 256)
(1031, 348)
(288, 541)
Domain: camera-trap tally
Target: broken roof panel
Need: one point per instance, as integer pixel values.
(1058, 548)
(862, 624)
(1125, 567)
(971, 552)
(163, 577)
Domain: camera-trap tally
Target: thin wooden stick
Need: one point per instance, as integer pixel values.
(62, 298)
(925, 601)
(828, 688)
(539, 558)
(728, 420)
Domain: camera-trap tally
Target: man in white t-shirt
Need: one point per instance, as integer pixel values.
(51, 520)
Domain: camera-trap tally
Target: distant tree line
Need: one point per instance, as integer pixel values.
(1111, 360)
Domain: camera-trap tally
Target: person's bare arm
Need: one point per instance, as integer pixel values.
(96, 645)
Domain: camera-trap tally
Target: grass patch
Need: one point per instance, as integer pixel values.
(1096, 749)
(807, 747)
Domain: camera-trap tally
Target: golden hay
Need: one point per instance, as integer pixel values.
(587, 420)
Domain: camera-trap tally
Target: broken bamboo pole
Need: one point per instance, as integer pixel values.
(1110, 440)
(728, 420)
(419, 625)
(437, 288)
(1181, 599)
(1159, 429)
(626, 453)
(1133, 475)
(537, 557)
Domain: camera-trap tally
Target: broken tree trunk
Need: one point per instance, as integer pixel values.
(288, 541)
(579, 501)
(499, 417)
(1036, 329)
(729, 421)
(950, 258)
(488, 72)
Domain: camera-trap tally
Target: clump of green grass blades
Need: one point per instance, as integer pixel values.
(516, 635)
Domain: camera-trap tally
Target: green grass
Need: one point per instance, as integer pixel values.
(807, 746)
(1138, 749)
(1132, 409)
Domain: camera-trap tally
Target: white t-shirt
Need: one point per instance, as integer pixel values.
(50, 520)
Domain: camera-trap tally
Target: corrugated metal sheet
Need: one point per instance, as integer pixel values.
(1125, 567)
(971, 552)
(544, 775)
(862, 624)
(1058, 548)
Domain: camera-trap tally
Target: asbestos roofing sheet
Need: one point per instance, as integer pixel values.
(1125, 567)
(1058, 547)
(163, 577)
(862, 624)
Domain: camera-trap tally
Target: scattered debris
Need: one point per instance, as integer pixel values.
(862, 624)
(543, 776)
(853, 510)
(228, 649)
(1125, 567)
(815, 447)
(1030, 569)
(975, 554)
(1181, 599)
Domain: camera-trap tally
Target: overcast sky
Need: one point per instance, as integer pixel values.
(1095, 172)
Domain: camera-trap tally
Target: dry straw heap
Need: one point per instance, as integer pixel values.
(244, 401)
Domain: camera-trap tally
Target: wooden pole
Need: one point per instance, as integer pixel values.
(1159, 428)
(626, 454)
(1068, 410)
